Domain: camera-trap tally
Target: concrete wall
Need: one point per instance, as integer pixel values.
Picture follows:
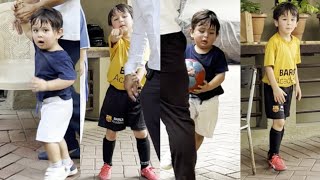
(96, 12)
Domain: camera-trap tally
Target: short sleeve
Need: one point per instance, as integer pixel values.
(269, 56)
(64, 67)
(221, 63)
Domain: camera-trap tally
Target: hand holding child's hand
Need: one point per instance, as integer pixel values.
(38, 84)
(202, 88)
(116, 35)
(278, 95)
(131, 84)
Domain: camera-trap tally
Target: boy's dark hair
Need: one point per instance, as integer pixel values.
(283, 8)
(119, 7)
(47, 15)
(203, 17)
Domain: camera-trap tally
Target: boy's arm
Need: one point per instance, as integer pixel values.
(115, 36)
(298, 89)
(52, 85)
(214, 83)
(26, 28)
(278, 93)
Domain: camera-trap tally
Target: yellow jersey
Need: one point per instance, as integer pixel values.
(118, 57)
(283, 56)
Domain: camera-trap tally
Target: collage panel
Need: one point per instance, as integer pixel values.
(39, 62)
(115, 142)
(212, 32)
(279, 89)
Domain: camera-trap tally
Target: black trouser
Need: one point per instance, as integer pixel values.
(174, 105)
(73, 49)
(150, 101)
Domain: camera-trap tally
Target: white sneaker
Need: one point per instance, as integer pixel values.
(72, 168)
(59, 173)
(165, 162)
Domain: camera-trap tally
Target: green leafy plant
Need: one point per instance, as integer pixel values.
(250, 7)
(303, 6)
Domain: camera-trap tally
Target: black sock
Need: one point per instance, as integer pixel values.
(275, 141)
(282, 133)
(143, 147)
(108, 147)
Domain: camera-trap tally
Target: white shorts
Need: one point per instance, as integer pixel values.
(205, 115)
(55, 118)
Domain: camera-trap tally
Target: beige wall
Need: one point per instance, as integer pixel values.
(96, 12)
(312, 31)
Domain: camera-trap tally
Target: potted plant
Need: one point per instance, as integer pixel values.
(258, 17)
(305, 9)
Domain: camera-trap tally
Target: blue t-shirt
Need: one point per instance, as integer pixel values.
(52, 65)
(214, 62)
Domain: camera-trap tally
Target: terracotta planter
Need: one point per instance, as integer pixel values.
(257, 26)
(298, 31)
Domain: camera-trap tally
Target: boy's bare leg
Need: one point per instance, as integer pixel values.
(278, 124)
(140, 134)
(53, 150)
(64, 150)
(111, 135)
(199, 140)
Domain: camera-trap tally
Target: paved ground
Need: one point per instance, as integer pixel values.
(218, 158)
(302, 158)
(126, 164)
(18, 148)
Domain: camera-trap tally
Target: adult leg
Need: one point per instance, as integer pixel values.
(174, 105)
(150, 101)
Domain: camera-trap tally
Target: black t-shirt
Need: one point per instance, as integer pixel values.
(214, 62)
(50, 65)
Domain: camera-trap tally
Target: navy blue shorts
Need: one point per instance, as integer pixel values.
(276, 110)
(119, 111)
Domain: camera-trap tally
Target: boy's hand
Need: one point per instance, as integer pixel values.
(116, 35)
(278, 95)
(298, 93)
(39, 84)
(202, 88)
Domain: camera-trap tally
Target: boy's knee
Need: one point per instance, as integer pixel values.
(111, 135)
(140, 134)
(278, 124)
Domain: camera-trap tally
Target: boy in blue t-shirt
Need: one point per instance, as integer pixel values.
(54, 76)
(204, 102)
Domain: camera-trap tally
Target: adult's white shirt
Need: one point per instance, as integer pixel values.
(145, 29)
(169, 16)
(70, 11)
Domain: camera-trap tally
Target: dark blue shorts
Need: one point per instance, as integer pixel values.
(119, 111)
(273, 109)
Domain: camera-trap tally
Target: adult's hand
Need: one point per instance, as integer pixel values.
(131, 87)
(24, 12)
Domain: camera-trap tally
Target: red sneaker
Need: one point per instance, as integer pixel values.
(277, 163)
(149, 173)
(105, 172)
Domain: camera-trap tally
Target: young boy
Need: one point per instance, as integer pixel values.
(54, 75)
(282, 55)
(118, 111)
(204, 102)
